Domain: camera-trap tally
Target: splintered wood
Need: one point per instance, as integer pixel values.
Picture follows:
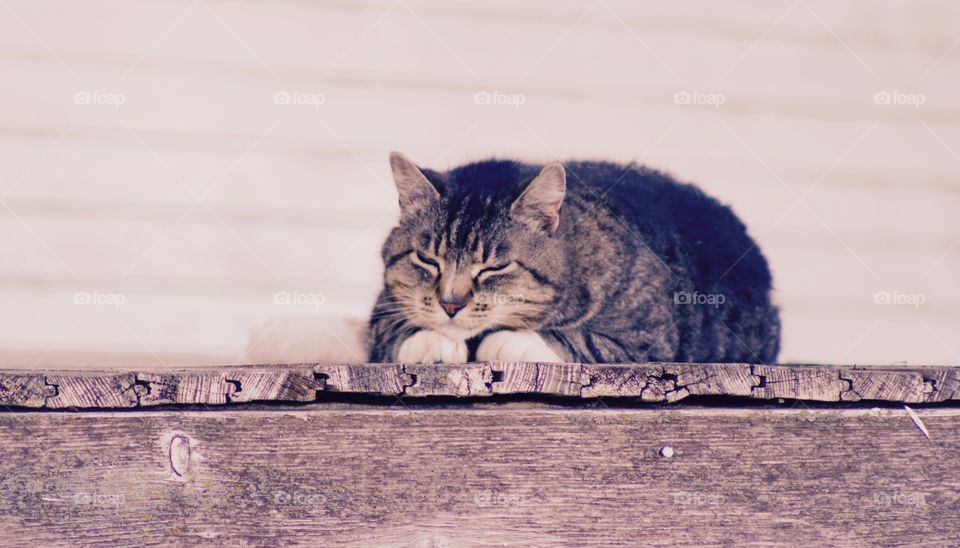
(647, 382)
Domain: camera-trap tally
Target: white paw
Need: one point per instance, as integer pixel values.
(431, 347)
(515, 346)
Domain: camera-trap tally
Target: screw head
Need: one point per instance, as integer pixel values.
(666, 451)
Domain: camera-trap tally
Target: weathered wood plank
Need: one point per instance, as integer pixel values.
(562, 379)
(366, 378)
(805, 383)
(905, 386)
(465, 380)
(24, 390)
(177, 387)
(241, 384)
(668, 381)
(378, 476)
(946, 383)
(92, 390)
(648, 382)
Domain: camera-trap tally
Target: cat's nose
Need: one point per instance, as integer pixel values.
(451, 307)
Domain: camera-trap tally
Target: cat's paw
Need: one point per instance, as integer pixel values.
(516, 346)
(431, 347)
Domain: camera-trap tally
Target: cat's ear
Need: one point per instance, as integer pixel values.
(414, 189)
(539, 205)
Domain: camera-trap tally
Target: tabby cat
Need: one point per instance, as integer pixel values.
(588, 262)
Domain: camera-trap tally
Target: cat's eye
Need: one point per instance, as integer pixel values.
(425, 262)
(424, 259)
(488, 271)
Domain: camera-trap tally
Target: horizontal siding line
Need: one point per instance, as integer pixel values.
(70, 357)
(16, 283)
(222, 143)
(219, 143)
(109, 356)
(252, 216)
(822, 38)
(284, 217)
(863, 39)
(860, 110)
(942, 312)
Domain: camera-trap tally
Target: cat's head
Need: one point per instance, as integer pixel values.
(476, 248)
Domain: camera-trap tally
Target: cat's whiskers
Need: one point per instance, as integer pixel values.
(403, 331)
(392, 327)
(389, 310)
(388, 315)
(392, 305)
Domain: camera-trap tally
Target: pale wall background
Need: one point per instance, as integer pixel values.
(199, 196)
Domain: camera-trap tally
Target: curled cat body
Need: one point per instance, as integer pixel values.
(585, 262)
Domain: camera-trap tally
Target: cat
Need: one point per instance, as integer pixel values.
(584, 262)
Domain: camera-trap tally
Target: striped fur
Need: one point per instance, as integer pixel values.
(637, 267)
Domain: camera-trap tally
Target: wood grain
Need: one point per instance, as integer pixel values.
(648, 382)
(229, 385)
(492, 476)
(24, 389)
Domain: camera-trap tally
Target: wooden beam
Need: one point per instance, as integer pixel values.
(325, 474)
(650, 382)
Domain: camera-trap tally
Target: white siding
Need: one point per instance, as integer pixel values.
(199, 197)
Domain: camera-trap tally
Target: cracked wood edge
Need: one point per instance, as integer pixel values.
(647, 382)
(228, 385)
